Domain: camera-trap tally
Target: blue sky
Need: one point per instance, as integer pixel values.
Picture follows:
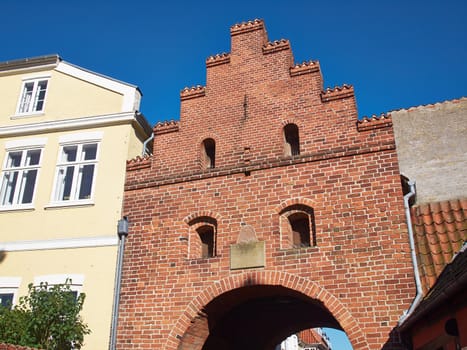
(397, 54)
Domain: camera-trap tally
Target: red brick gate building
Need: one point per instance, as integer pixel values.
(267, 209)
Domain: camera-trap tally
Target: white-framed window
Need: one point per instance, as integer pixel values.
(76, 169)
(76, 281)
(19, 177)
(32, 98)
(9, 291)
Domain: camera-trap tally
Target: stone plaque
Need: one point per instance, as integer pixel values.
(247, 255)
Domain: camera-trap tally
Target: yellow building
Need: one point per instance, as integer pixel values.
(65, 136)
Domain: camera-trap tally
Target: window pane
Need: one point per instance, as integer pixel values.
(29, 179)
(69, 153)
(8, 187)
(26, 97)
(14, 159)
(90, 151)
(87, 173)
(33, 157)
(6, 299)
(64, 182)
(40, 95)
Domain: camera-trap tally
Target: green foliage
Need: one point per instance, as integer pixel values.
(47, 318)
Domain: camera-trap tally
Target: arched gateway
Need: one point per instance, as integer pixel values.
(265, 242)
(256, 310)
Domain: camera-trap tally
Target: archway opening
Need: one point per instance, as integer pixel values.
(255, 317)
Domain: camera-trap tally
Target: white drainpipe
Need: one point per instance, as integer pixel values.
(418, 282)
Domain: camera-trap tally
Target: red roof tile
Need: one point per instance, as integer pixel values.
(312, 337)
(440, 230)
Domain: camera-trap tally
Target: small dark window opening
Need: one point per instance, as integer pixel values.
(300, 225)
(6, 300)
(292, 140)
(206, 235)
(209, 146)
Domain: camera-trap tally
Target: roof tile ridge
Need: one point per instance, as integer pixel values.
(304, 67)
(374, 117)
(167, 126)
(430, 105)
(139, 159)
(246, 26)
(276, 45)
(139, 162)
(192, 92)
(217, 59)
(337, 92)
(337, 88)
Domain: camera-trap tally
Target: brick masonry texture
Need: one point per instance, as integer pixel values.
(360, 267)
(15, 347)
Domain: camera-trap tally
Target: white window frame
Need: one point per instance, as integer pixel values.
(23, 146)
(10, 285)
(77, 281)
(31, 107)
(79, 141)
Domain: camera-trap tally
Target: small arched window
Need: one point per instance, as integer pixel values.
(297, 227)
(209, 153)
(206, 236)
(292, 140)
(203, 232)
(300, 227)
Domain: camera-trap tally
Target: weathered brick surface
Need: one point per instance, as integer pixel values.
(360, 268)
(14, 347)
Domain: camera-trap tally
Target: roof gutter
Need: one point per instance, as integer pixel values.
(146, 151)
(418, 283)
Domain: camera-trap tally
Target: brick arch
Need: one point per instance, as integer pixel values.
(305, 286)
(284, 122)
(199, 145)
(293, 201)
(208, 135)
(209, 213)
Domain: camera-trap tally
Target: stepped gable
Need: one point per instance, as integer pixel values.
(255, 86)
(138, 163)
(374, 122)
(440, 230)
(166, 127)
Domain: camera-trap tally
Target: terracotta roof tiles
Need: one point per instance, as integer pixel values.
(218, 59)
(304, 67)
(374, 122)
(429, 105)
(246, 26)
(440, 230)
(192, 92)
(337, 92)
(276, 45)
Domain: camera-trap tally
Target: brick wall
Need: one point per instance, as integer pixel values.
(347, 172)
(14, 347)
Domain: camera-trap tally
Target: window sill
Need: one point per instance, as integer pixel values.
(28, 207)
(68, 204)
(27, 115)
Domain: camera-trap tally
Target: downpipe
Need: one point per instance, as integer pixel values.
(418, 283)
(122, 231)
